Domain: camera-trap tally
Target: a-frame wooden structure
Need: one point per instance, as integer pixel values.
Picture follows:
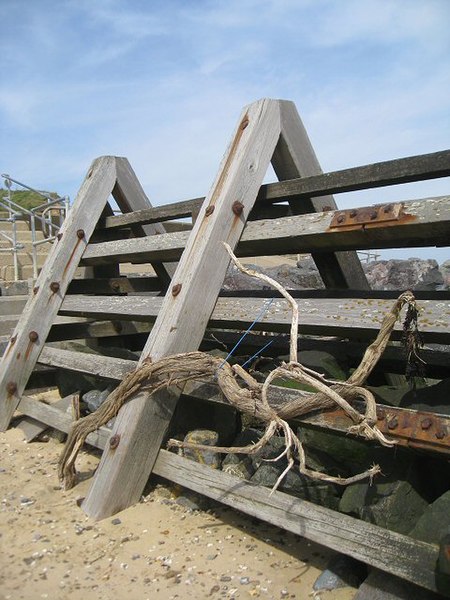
(268, 130)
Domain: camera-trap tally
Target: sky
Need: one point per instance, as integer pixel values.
(163, 83)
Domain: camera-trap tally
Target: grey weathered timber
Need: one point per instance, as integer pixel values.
(392, 552)
(186, 308)
(423, 222)
(32, 427)
(391, 172)
(12, 305)
(332, 316)
(32, 329)
(294, 156)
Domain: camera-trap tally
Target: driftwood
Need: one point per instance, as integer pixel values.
(253, 398)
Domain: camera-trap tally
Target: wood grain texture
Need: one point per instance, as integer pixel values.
(183, 317)
(423, 223)
(39, 313)
(321, 316)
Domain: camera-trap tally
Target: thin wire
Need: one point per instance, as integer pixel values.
(264, 309)
(257, 353)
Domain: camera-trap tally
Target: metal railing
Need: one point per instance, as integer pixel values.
(48, 217)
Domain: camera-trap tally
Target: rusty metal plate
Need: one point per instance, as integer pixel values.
(368, 215)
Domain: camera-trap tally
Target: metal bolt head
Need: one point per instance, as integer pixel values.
(209, 210)
(33, 336)
(373, 215)
(114, 441)
(35, 289)
(441, 433)
(54, 286)
(387, 209)
(353, 213)
(176, 289)
(80, 234)
(59, 237)
(13, 340)
(11, 388)
(341, 218)
(237, 207)
(425, 424)
(380, 413)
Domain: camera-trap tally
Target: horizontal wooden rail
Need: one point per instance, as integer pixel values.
(403, 170)
(322, 316)
(419, 223)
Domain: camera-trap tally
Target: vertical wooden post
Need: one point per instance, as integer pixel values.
(294, 157)
(42, 307)
(187, 306)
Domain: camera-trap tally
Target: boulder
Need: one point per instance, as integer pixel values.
(204, 437)
(434, 523)
(414, 274)
(434, 398)
(241, 465)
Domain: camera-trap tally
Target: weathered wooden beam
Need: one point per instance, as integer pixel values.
(26, 344)
(420, 223)
(186, 308)
(294, 156)
(391, 172)
(320, 316)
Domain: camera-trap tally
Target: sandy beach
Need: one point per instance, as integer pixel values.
(158, 549)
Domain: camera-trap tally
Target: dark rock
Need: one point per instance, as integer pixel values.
(432, 398)
(204, 437)
(95, 398)
(341, 571)
(434, 522)
(313, 490)
(324, 363)
(116, 521)
(413, 274)
(383, 586)
(394, 505)
(192, 501)
(241, 465)
(445, 272)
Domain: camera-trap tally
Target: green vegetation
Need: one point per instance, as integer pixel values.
(25, 198)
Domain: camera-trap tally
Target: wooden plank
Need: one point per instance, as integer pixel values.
(408, 433)
(32, 329)
(391, 172)
(326, 316)
(185, 311)
(31, 428)
(392, 552)
(422, 223)
(58, 419)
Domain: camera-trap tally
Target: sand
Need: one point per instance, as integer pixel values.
(155, 550)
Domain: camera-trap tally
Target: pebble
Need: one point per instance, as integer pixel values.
(116, 521)
(244, 580)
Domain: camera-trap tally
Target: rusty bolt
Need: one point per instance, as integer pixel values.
(353, 213)
(237, 208)
(80, 234)
(393, 423)
(441, 433)
(114, 441)
(388, 208)
(426, 423)
(54, 286)
(326, 208)
(13, 340)
(59, 236)
(11, 388)
(373, 215)
(341, 218)
(245, 122)
(209, 210)
(380, 414)
(35, 290)
(34, 336)
(176, 289)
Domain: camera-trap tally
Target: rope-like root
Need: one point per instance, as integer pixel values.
(254, 399)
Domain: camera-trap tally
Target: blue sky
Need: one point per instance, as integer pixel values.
(163, 83)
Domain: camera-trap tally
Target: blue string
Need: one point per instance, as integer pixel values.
(261, 314)
(257, 353)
